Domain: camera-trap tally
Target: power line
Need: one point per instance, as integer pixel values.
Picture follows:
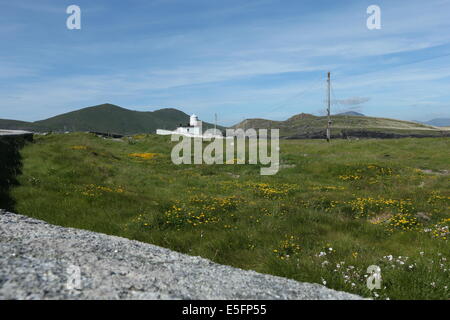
(337, 102)
(396, 66)
(334, 100)
(299, 94)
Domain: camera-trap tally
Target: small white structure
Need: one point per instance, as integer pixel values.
(194, 122)
(193, 129)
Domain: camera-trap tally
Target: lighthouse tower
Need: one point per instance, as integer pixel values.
(194, 121)
(195, 125)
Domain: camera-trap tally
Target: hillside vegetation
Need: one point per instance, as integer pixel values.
(343, 126)
(110, 118)
(330, 212)
(106, 118)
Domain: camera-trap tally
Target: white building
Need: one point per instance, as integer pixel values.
(194, 128)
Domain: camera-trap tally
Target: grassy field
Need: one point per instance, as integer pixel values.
(331, 212)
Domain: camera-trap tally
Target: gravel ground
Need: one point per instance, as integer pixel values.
(41, 261)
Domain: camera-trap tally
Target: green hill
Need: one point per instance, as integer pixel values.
(439, 122)
(107, 118)
(110, 118)
(16, 125)
(309, 126)
(350, 113)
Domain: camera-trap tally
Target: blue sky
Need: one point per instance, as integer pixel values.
(239, 59)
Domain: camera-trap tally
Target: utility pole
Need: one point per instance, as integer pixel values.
(215, 123)
(328, 109)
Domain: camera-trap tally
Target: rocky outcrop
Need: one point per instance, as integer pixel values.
(43, 261)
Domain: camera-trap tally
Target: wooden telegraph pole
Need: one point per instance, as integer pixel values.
(215, 123)
(328, 109)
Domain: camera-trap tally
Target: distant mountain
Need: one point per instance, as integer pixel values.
(438, 122)
(350, 113)
(16, 125)
(107, 118)
(310, 126)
